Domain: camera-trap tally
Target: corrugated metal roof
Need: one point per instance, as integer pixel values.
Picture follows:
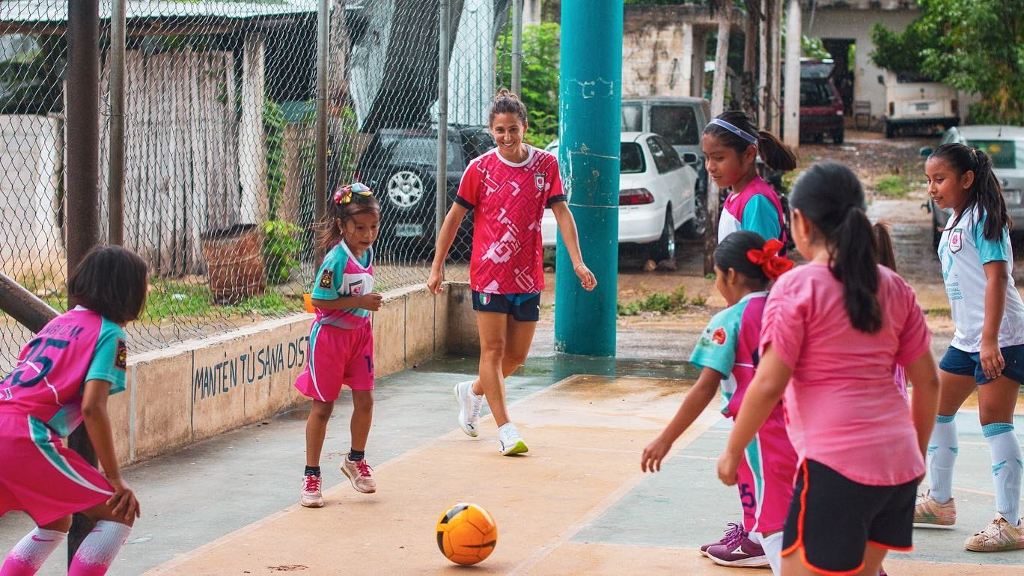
(56, 11)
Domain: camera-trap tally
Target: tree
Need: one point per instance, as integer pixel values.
(539, 78)
(974, 45)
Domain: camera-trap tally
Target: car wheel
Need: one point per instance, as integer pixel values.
(404, 189)
(837, 138)
(664, 248)
(407, 214)
(695, 228)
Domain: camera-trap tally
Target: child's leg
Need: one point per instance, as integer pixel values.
(362, 418)
(772, 546)
(99, 549)
(943, 446)
(996, 403)
(28, 555)
(493, 337)
(873, 557)
(316, 430)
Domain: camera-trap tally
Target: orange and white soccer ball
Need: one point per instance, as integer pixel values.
(466, 534)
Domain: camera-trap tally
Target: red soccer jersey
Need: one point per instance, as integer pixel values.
(509, 200)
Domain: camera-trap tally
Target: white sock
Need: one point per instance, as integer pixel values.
(1006, 469)
(772, 546)
(29, 554)
(942, 452)
(98, 550)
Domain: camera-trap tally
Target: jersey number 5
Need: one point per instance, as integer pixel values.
(37, 364)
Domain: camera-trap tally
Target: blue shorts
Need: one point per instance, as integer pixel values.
(522, 307)
(956, 361)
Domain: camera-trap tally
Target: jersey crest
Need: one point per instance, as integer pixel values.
(327, 279)
(956, 240)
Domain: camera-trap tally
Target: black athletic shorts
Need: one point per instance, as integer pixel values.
(522, 307)
(832, 519)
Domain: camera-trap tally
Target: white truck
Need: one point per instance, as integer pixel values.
(915, 102)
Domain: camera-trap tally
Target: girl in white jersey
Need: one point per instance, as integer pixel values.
(987, 351)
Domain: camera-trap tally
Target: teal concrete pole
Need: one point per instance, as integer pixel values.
(590, 94)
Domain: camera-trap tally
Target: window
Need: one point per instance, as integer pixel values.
(632, 118)
(660, 156)
(1002, 152)
(422, 150)
(672, 157)
(815, 94)
(677, 123)
(631, 159)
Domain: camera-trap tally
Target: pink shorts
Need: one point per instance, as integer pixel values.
(766, 478)
(337, 356)
(40, 476)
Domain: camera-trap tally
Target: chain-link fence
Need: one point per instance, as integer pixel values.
(220, 145)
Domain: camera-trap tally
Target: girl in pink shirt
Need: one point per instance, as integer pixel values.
(833, 332)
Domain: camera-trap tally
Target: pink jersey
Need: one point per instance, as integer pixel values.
(509, 200)
(48, 381)
(342, 274)
(842, 408)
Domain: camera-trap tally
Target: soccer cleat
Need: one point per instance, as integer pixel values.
(731, 533)
(740, 551)
(469, 407)
(998, 536)
(360, 474)
(311, 496)
(510, 442)
(929, 513)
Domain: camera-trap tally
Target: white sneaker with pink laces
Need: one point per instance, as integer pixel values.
(360, 474)
(311, 496)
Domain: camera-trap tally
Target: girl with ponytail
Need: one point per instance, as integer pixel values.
(832, 332)
(731, 144)
(987, 351)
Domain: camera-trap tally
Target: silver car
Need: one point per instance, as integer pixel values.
(1005, 146)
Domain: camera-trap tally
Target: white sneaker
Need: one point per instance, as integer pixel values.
(311, 496)
(510, 442)
(469, 407)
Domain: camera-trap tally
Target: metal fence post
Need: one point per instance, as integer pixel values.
(115, 190)
(323, 31)
(441, 194)
(517, 46)
(82, 176)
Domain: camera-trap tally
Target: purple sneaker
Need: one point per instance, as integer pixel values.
(733, 532)
(741, 551)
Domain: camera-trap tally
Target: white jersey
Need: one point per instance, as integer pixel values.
(963, 252)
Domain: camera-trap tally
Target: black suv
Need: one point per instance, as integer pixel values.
(401, 167)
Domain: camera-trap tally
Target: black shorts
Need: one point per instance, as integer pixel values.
(832, 518)
(522, 307)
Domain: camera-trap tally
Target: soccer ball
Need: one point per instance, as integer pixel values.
(466, 534)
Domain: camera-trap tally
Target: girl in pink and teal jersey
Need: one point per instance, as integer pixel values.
(62, 379)
(833, 332)
(341, 339)
(727, 354)
(731, 145)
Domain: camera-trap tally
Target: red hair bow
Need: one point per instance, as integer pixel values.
(769, 260)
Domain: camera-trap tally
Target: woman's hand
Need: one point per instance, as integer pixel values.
(727, 466)
(587, 279)
(436, 280)
(992, 362)
(654, 453)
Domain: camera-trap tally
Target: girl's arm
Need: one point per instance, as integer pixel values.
(97, 424)
(567, 229)
(924, 402)
(445, 238)
(695, 401)
(763, 394)
(369, 302)
(992, 362)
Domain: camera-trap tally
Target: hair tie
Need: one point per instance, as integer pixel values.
(750, 138)
(344, 194)
(769, 260)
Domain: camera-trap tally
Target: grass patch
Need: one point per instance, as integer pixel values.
(657, 302)
(893, 186)
(937, 312)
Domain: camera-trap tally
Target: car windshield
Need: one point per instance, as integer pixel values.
(676, 123)
(1002, 152)
(815, 94)
(632, 159)
(419, 150)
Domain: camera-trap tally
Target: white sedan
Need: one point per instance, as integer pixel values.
(656, 195)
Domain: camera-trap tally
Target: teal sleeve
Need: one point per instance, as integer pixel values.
(110, 358)
(761, 216)
(330, 275)
(716, 347)
(991, 250)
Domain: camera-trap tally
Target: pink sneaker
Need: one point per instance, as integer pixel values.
(732, 532)
(360, 474)
(740, 552)
(311, 496)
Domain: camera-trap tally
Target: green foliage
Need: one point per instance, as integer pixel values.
(892, 186)
(273, 133)
(974, 45)
(281, 245)
(657, 302)
(813, 48)
(539, 78)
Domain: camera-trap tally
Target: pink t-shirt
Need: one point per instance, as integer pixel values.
(509, 201)
(842, 408)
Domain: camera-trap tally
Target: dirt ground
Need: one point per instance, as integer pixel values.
(873, 158)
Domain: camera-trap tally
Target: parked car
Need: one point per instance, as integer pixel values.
(821, 110)
(1005, 146)
(401, 167)
(656, 195)
(916, 101)
(681, 121)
